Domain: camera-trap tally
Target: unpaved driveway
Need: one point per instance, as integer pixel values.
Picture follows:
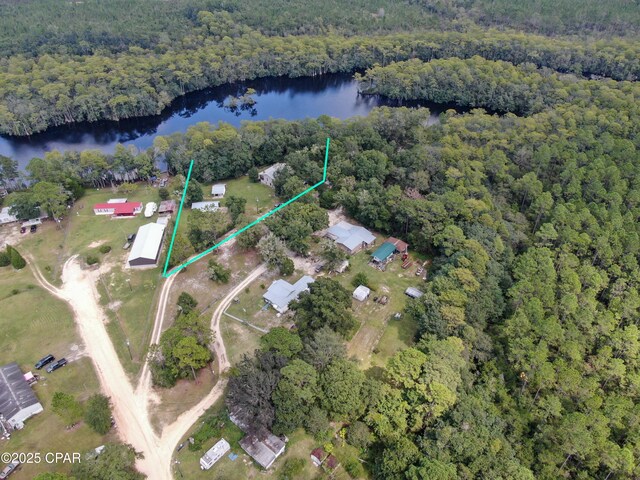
(79, 291)
(131, 409)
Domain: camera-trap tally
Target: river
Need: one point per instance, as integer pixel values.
(335, 95)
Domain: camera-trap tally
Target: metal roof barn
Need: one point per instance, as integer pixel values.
(146, 247)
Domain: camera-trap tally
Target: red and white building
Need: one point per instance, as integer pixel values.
(120, 209)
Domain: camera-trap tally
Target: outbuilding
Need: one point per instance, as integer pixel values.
(214, 454)
(361, 293)
(167, 207)
(147, 245)
(218, 190)
(413, 292)
(268, 175)
(17, 400)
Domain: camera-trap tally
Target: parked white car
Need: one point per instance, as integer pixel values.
(150, 209)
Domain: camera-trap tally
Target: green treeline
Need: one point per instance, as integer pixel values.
(498, 86)
(94, 26)
(36, 93)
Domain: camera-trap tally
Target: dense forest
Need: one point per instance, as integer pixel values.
(40, 91)
(526, 361)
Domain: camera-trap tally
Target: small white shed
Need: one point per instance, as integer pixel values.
(361, 293)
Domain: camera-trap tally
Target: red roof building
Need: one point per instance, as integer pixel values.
(402, 247)
(317, 456)
(125, 209)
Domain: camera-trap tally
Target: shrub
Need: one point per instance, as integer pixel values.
(287, 267)
(67, 407)
(361, 279)
(5, 259)
(186, 303)
(353, 467)
(163, 193)
(218, 273)
(127, 188)
(254, 175)
(16, 259)
(359, 435)
(92, 260)
(98, 413)
(293, 467)
(105, 249)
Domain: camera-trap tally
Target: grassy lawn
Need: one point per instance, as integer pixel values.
(27, 335)
(380, 335)
(238, 339)
(129, 298)
(244, 188)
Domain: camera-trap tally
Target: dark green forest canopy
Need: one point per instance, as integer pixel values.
(54, 26)
(91, 83)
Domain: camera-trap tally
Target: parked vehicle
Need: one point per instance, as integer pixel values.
(56, 365)
(45, 361)
(8, 470)
(34, 228)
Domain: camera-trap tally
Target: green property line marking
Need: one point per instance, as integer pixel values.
(175, 270)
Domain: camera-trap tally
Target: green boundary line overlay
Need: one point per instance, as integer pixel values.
(175, 270)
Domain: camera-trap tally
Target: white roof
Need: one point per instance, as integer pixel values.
(5, 217)
(214, 454)
(218, 189)
(272, 170)
(147, 242)
(280, 293)
(361, 293)
(117, 200)
(205, 206)
(351, 236)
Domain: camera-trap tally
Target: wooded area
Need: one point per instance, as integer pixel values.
(526, 363)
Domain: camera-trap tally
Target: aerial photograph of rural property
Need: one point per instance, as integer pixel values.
(320, 240)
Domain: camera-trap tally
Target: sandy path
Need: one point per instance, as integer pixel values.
(80, 293)
(131, 408)
(172, 434)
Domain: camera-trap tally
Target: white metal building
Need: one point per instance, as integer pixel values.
(205, 206)
(361, 293)
(147, 245)
(268, 176)
(218, 190)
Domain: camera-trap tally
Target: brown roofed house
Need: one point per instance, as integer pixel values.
(317, 456)
(402, 247)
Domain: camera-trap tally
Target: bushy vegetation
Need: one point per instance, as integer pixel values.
(15, 258)
(183, 349)
(98, 413)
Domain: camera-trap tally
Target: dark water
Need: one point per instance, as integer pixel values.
(335, 95)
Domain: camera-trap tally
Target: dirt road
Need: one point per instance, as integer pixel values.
(79, 291)
(131, 408)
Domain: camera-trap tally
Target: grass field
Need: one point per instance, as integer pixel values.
(33, 324)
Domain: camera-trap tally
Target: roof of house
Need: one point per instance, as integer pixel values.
(127, 208)
(117, 200)
(218, 189)
(413, 292)
(318, 453)
(15, 392)
(273, 169)
(399, 244)
(167, 206)
(361, 292)
(384, 251)
(351, 236)
(331, 462)
(281, 292)
(147, 242)
(263, 447)
(208, 206)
